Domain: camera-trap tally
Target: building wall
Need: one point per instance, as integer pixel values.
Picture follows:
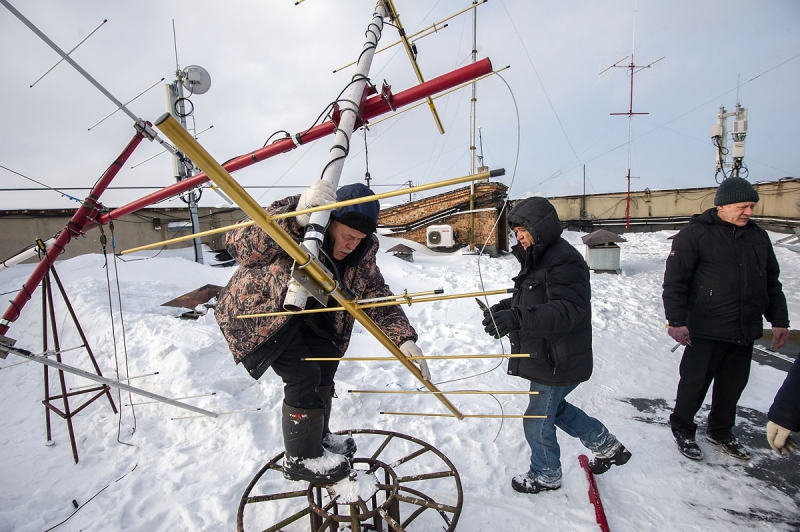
(20, 229)
(778, 199)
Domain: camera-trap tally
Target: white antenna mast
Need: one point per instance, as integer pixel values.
(471, 234)
(633, 70)
(197, 80)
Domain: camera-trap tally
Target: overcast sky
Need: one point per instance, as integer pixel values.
(271, 66)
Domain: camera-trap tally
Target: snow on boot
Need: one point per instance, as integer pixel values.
(305, 458)
(601, 464)
(686, 444)
(335, 443)
(524, 483)
(730, 446)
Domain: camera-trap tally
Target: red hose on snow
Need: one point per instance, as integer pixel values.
(594, 495)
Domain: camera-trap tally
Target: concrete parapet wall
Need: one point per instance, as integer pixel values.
(779, 199)
(21, 228)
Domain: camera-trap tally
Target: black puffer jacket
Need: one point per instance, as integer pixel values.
(554, 301)
(720, 279)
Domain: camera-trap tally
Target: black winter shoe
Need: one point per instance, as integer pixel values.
(730, 446)
(525, 484)
(686, 444)
(600, 465)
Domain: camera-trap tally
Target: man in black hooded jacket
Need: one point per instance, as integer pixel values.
(549, 317)
(721, 278)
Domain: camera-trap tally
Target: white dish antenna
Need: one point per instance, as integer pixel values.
(196, 79)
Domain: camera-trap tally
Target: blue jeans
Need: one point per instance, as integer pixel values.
(541, 433)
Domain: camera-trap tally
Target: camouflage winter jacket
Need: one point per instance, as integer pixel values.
(259, 286)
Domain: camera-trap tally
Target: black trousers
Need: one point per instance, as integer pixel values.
(301, 378)
(728, 365)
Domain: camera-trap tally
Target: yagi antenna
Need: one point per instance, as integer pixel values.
(634, 68)
(73, 49)
(412, 56)
(142, 126)
(165, 151)
(126, 103)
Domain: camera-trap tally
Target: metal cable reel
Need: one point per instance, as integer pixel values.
(399, 483)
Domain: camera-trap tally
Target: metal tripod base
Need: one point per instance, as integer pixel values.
(390, 490)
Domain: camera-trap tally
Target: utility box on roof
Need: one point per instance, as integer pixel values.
(602, 254)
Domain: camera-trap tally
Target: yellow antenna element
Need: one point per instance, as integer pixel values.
(192, 148)
(433, 28)
(380, 304)
(479, 416)
(331, 206)
(412, 56)
(451, 392)
(426, 357)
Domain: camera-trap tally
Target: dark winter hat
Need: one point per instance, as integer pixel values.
(362, 217)
(735, 190)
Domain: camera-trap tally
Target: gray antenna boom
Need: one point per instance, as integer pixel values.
(139, 123)
(126, 103)
(73, 49)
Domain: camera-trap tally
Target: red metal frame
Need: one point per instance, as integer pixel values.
(86, 212)
(86, 217)
(373, 107)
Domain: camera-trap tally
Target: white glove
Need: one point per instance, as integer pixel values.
(410, 349)
(320, 193)
(779, 439)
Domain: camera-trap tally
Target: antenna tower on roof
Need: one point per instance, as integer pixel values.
(196, 80)
(633, 70)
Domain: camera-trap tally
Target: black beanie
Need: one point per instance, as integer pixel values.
(735, 190)
(362, 217)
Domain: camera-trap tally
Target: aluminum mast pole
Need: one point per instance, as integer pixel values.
(471, 239)
(175, 106)
(296, 295)
(5, 348)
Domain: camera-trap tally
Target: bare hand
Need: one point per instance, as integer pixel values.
(680, 335)
(779, 337)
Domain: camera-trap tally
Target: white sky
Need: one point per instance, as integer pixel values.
(271, 64)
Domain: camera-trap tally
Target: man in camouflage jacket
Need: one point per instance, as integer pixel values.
(259, 286)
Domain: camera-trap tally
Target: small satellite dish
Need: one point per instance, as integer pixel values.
(196, 79)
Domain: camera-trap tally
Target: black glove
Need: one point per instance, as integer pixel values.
(502, 322)
(497, 307)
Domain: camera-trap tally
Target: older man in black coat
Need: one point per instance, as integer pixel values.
(549, 317)
(721, 278)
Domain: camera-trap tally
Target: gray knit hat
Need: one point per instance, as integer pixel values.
(735, 190)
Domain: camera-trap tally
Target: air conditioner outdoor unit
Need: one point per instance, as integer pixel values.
(440, 236)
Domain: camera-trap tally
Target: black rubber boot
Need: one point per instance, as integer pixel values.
(305, 459)
(335, 443)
